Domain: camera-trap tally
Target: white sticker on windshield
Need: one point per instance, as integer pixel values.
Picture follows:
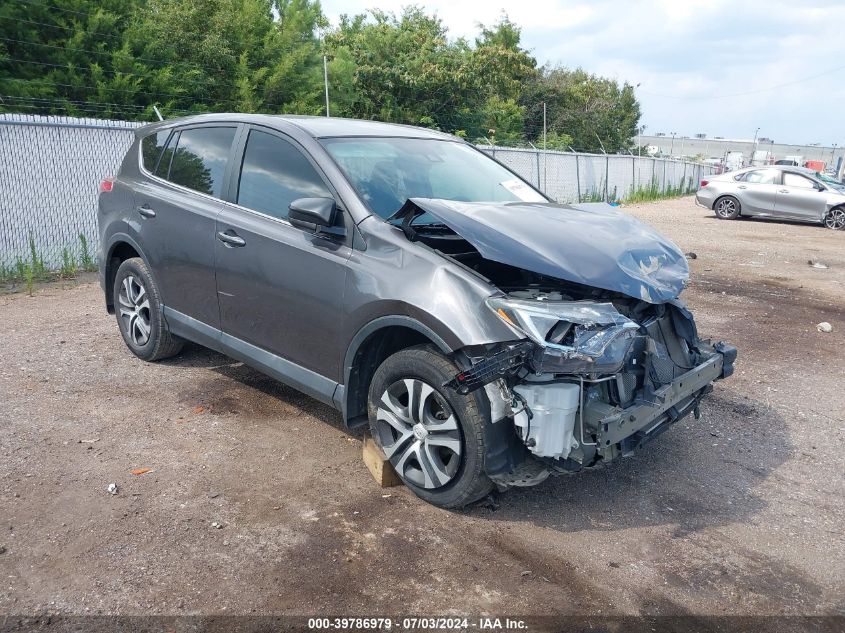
(522, 191)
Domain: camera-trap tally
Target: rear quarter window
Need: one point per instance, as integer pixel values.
(151, 147)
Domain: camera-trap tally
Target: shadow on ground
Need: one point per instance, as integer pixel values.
(223, 392)
(714, 465)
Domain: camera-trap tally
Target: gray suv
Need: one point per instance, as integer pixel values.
(488, 336)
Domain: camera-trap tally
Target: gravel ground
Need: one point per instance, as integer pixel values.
(738, 513)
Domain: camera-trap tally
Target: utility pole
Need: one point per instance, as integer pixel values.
(754, 151)
(544, 147)
(326, 82)
(672, 145)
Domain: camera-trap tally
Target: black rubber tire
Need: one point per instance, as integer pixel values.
(161, 343)
(733, 215)
(470, 482)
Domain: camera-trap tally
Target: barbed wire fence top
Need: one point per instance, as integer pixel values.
(51, 168)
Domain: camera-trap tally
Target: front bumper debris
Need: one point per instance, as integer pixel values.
(495, 366)
(605, 428)
(668, 404)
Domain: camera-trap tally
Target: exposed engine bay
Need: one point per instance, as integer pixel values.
(597, 373)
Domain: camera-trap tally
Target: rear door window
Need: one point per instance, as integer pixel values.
(200, 157)
(762, 176)
(274, 173)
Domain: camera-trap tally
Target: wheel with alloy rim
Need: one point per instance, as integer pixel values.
(418, 432)
(133, 309)
(432, 436)
(727, 208)
(835, 219)
(138, 308)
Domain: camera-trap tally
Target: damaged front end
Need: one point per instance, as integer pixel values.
(605, 356)
(591, 382)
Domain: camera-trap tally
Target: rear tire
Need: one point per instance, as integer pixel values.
(433, 437)
(138, 308)
(835, 219)
(727, 208)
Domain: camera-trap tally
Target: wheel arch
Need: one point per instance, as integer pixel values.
(373, 343)
(120, 248)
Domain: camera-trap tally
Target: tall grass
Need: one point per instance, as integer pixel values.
(86, 262)
(652, 191)
(33, 269)
(597, 194)
(68, 268)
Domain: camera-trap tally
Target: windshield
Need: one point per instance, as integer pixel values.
(387, 171)
(828, 180)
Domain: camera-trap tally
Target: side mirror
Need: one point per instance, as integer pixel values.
(315, 214)
(820, 187)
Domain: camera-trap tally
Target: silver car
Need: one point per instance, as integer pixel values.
(777, 191)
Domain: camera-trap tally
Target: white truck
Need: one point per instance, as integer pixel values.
(761, 157)
(734, 161)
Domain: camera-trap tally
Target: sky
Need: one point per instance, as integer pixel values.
(718, 67)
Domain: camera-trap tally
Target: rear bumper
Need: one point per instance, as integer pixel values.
(704, 200)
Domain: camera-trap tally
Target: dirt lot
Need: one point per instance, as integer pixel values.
(738, 513)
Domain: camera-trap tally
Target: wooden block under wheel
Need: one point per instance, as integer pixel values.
(378, 465)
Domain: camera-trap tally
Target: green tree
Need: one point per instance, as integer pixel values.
(57, 57)
(504, 66)
(595, 112)
(502, 120)
(556, 141)
(119, 58)
(404, 69)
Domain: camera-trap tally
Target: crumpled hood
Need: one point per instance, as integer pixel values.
(591, 243)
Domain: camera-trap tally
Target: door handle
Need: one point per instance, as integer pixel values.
(231, 240)
(146, 211)
(742, 187)
(783, 190)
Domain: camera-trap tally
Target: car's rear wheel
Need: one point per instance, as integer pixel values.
(137, 306)
(433, 437)
(727, 208)
(835, 219)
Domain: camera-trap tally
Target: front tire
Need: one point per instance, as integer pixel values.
(727, 208)
(835, 219)
(138, 308)
(433, 437)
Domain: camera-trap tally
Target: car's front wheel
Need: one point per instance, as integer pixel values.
(727, 208)
(433, 437)
(137, 306)
(835, 219)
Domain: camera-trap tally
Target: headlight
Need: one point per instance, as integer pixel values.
(595, 334)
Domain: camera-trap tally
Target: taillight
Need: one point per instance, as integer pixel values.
(106, 185)
(704, 183)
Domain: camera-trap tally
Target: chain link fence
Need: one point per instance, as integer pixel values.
(51, 167)
(50, 172)
(572, 177)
